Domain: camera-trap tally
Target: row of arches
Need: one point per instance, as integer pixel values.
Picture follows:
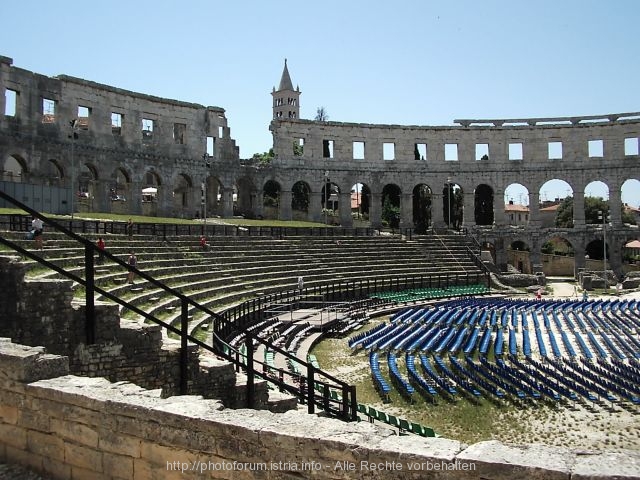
(422, 207)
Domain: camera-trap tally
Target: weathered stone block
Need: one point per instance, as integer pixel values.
(83, 457)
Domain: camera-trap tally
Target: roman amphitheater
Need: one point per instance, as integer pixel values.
(393, 334)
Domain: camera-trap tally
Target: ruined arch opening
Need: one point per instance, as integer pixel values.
(271, 199)
(630, 201)
(183, 192)
(330, 202)
(596, 201)
(422, 208)
(516, 204)
(391, 205)
(300, 199)
(246, 203)
(14, 169)
(55, 172)
(452, 204)
(556, 204)
(483, 205)
(518, 256)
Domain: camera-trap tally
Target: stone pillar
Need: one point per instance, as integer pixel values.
(375, 210)
(194, 202)
(534, 210)
(468, 213)
(501, 255)
(437, 205)
(227, 202)
(346, 220)
(135, 207)
(615, 206)
(165, 201)
(498, 208)
(315, 207)
(406, 210)
(578, 210)
(579, 260)
(257, 201)
(285, 205)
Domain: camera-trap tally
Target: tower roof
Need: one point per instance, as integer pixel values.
(285, 80)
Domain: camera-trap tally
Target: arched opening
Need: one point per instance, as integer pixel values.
(86, 188)
(630, 196)
(360, 204)
(595, 250)
(483, 205)
(518, 256)
(329, 200)
(212, 198)
(14, 169)
(300, 198)
(556, 204)
(182, 196)
(596, 201)
(151, 192)
(271, 199)
(391, 205)
(246, 201)
(421, 208)
(55, 173)
(516, 204)
(558, 257)
(452, 204)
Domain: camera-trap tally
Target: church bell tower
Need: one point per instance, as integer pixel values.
(286, 100)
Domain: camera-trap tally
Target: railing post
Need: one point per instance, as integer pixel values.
(90, 308)
(184, 355)
(311, 407)
(354, 402)
(250, 378)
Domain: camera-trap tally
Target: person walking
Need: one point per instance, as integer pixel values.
(37, 227)
(100, 244)
(132, 262)
(130, 228)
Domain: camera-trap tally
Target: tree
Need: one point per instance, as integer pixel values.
(390, 213)
(592, 208)
(264, 158)
(321, 115)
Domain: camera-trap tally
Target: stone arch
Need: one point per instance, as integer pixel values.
(55, 173)
(596, 199)
(630, 201)
(452, 204)
(556, 211)
(483, 205)
(182, 194)
(390, 204)
(422, 214)
(213, 201)
(558, 255)
(300, 200)
(516, 204)
(330, 201)
(14, 169)
(246, 204)
(271, 193)
(519, 255)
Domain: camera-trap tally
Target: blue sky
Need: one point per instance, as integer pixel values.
(406, 62)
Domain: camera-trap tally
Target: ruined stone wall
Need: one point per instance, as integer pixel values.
(70, 427)
(40, 139)
(41, 313)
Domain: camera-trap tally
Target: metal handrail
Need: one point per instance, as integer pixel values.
(348, 409)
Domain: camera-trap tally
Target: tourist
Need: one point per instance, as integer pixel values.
(100, 244)
(203, 243)
(130, 228)
(132, 262)
(585, 296)
(300, 284)
(37, 228)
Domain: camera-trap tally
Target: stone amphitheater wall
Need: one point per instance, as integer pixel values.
(66, 426)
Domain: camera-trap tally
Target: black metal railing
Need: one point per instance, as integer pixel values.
(240, 317)
(316, 388)
(20, 222)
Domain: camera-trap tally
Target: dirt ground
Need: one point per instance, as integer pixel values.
(584, 427)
